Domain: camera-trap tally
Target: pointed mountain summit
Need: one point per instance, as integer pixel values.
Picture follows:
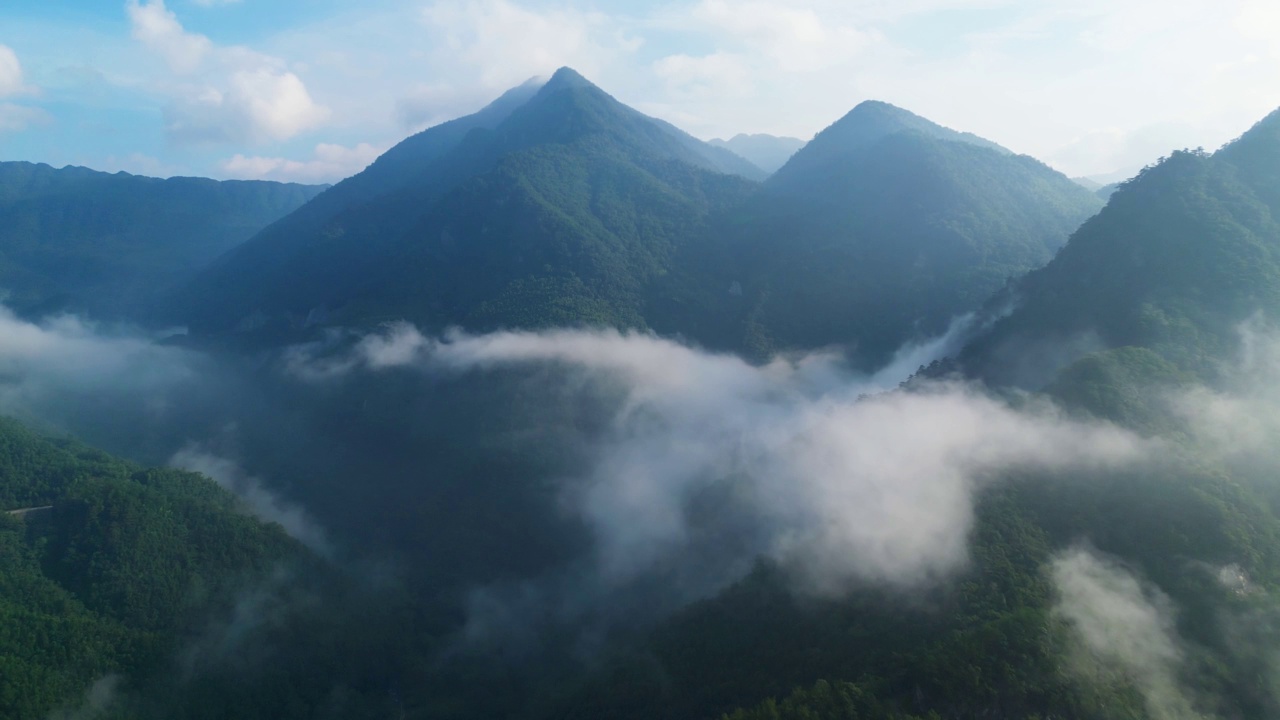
(555, 204)
(866, 124)
(883, 229)
(1181, 256)
(569, 107)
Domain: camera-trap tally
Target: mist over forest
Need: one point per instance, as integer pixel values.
(555, 410)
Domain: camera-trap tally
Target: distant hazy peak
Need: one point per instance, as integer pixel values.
(867, 124)
(768, 152)
(873, 119)
(745, 137)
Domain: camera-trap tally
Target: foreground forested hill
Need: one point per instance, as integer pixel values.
(140, 592)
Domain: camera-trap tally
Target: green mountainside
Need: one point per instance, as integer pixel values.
(109, 244)
(1182, 255)
(118, 563)
(562, 211)
(567, 208)
(130, 592)
(882, 230)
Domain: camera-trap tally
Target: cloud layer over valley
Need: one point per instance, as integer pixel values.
(702, 452)
(633, 460)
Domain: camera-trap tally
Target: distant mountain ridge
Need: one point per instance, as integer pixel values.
(768, 152)
(108, 244)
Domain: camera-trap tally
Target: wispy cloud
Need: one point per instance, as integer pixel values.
(11, 80)
(329, 163)
(15, 117)
(841, 488)
(260, 501)
(1122, 628)
(222, 94)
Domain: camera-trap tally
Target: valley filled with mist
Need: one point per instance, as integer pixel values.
(557, 411)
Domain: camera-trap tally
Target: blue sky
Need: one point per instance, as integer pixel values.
(312, 90)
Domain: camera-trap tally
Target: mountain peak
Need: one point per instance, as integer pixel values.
(865, 125)
(566, 78)
(879, 106)
(871, 120)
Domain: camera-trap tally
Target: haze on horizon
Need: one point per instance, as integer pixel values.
(313, 90)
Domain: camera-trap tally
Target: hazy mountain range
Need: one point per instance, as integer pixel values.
(576, 210)
(108, 245)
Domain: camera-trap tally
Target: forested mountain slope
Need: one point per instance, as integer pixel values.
(1182, 255)
(108, 244)
(558, 209)
(105, 582)
(883, 229)
(567, 208)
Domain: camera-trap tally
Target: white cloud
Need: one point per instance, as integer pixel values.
(1122, 627)
(158, 28)
(507, 43)
(794, 38)
(223, 94)
(1078, 83)
(14, 117)
(41, 364)
(258, 500)
(1093, 87)
(20, 117)
(10, 74)
(330, 163)
(1119, 153)
(1240, 421)
(838, 487)
(717, 74)
(472, 51)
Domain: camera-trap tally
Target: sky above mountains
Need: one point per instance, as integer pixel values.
(313, 90)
